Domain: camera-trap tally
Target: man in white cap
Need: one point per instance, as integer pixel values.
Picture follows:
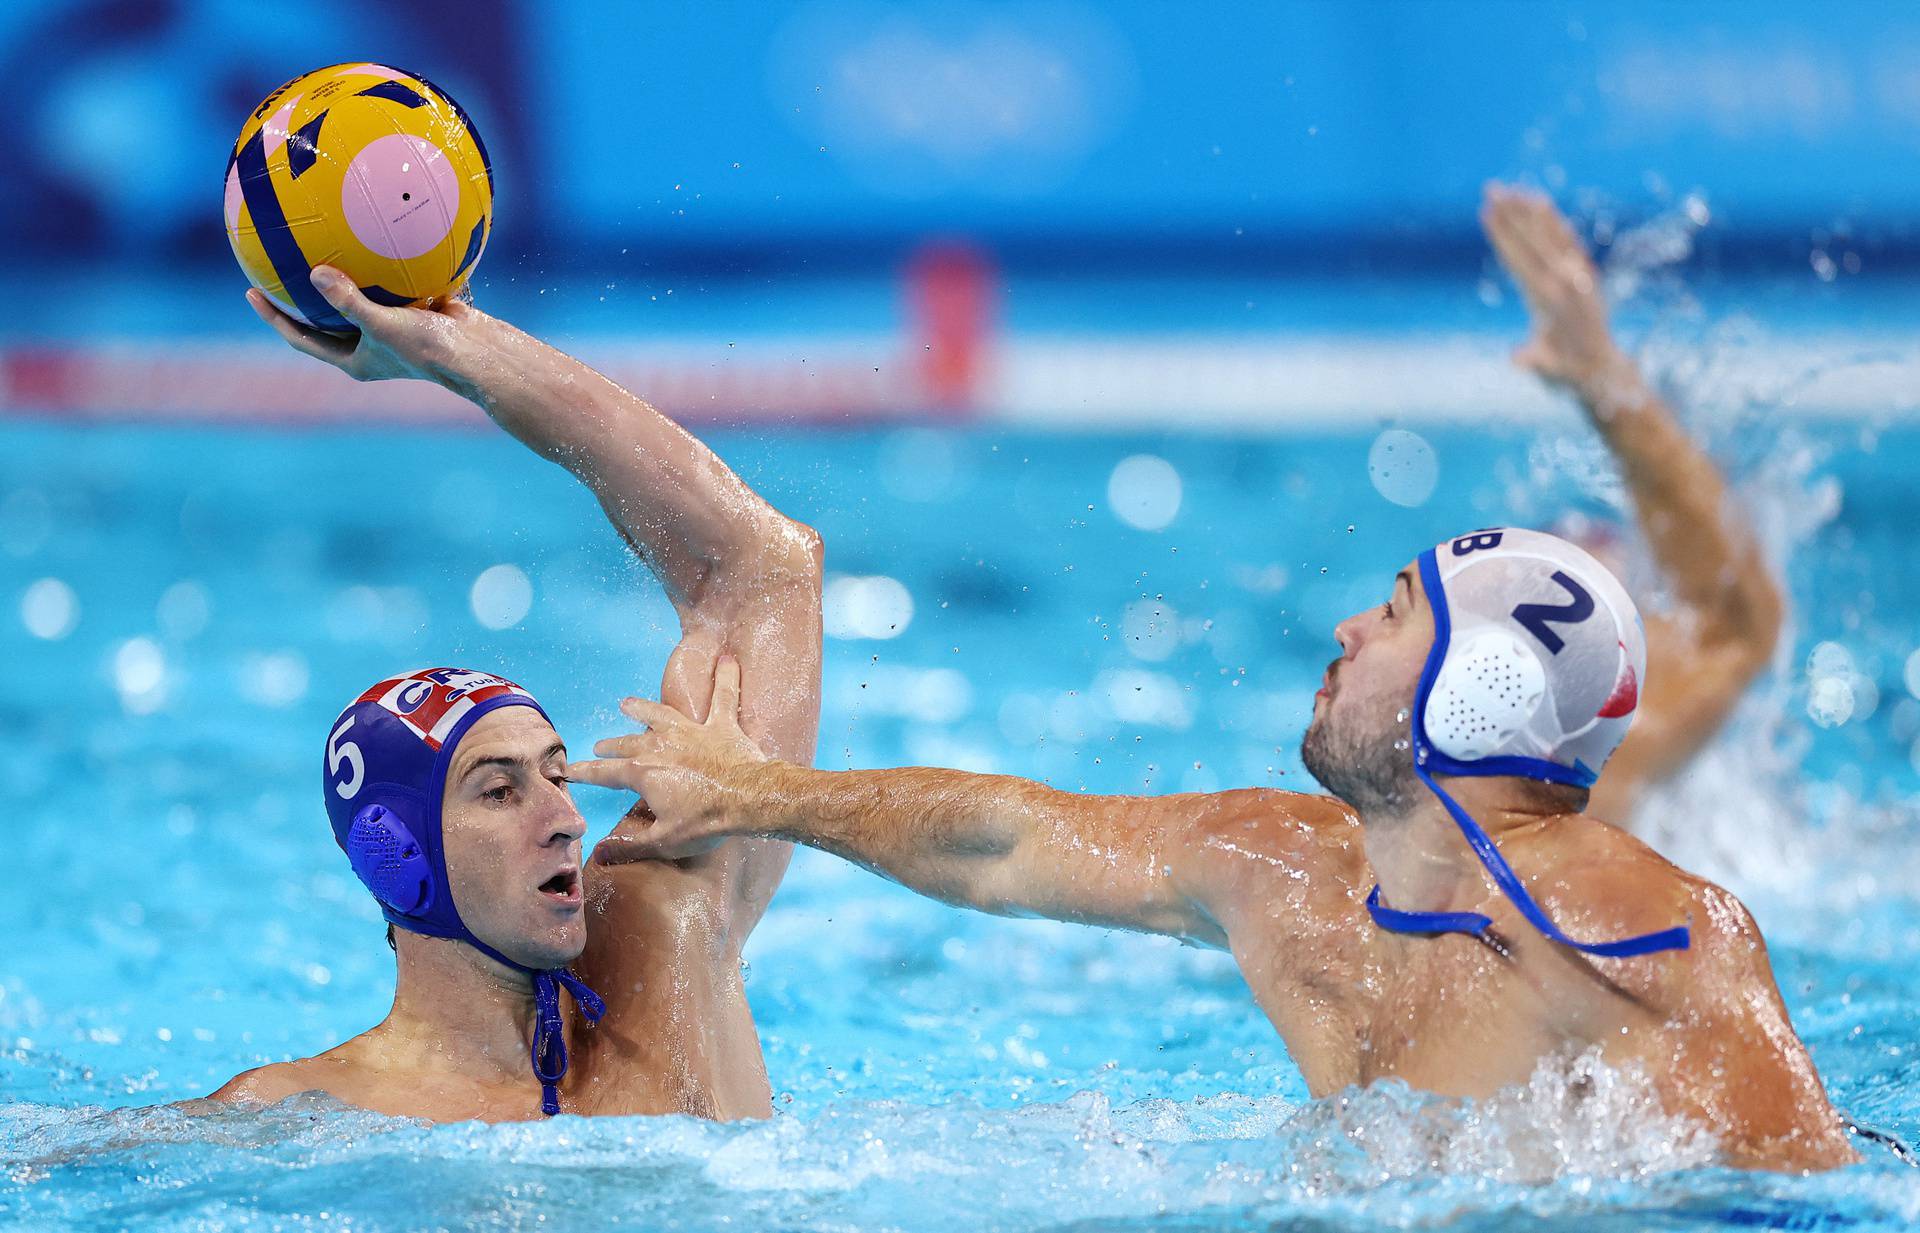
(1450, 916)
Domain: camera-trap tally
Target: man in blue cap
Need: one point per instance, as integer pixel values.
(447, 787)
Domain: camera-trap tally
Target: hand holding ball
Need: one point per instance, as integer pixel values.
(366, 168)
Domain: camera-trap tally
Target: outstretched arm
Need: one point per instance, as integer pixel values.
(1172, 865)
(743, 579)
(1730, 610)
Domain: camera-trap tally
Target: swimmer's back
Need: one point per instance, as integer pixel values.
(1708, 1023)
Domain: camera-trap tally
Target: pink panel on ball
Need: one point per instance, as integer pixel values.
(375, 70)
(274, 132)
(233, 197)
(399, 195)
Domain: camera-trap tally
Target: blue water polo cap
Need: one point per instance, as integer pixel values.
(386, 770)
(1535, 671)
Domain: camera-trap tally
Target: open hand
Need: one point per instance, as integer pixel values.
(689, 775)
(1571, 344)
(394, 341)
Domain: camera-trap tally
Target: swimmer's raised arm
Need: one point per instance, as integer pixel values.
(694, 522)
(1171, 865)
(742, 577)
(1730, 609)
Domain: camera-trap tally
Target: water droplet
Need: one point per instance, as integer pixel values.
(1403, 716)
(1403, 467)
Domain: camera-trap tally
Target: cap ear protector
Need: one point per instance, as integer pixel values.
(390, 861)
(1487, 690)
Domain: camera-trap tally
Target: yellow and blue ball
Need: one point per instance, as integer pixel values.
(370, 169)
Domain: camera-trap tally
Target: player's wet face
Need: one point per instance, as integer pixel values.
(1358, 745)
(512, 838)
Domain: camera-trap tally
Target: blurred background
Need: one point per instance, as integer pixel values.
(834, 137)
(1020, 182)
(915, 224)
(1118, 350)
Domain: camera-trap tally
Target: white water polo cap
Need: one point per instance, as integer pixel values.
(1538, 654)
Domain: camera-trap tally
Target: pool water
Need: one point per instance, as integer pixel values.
(187, 609)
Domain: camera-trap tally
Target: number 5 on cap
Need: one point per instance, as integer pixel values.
(337, 753)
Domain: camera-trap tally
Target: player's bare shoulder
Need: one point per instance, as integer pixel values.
(338, 1073)
(1274, 850)
(272, 1083)
(1613, 885)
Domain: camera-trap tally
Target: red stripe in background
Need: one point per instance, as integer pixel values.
(37, 376)
(940, 365)
(241, 384)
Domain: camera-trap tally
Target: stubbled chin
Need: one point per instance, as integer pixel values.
(558, 945)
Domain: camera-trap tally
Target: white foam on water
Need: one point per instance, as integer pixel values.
(1382, 1152)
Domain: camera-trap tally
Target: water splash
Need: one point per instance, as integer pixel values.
(1744, 813)
(859, 1164)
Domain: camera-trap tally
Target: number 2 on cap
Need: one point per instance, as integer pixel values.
(1534, 617)
(338, 753)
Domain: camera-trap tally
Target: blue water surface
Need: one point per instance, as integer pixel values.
(175, 910)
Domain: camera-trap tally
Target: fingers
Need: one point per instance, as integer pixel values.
(1515, 257)
(1539, 234)
(606, 773)
(626, 847)
(632, 745)
(347, 300)
(318, 344)
(1537, 246)
(655, 717)
(652, 714)
(657, 842)
(1549, 227)
(726, 692)
(1504, 219)
(1551, 242)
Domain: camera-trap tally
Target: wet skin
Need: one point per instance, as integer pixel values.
(678, 1037)
(1280, 880)
(659, 941)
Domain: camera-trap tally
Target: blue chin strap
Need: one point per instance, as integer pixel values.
(549, 1030)
(1428, 761)
(549, 1049)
